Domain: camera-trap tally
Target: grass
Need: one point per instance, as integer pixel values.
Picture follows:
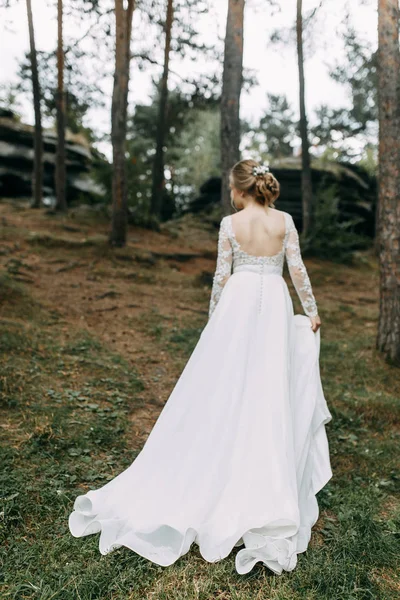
(67, 405)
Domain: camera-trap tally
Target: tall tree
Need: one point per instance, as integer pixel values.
(37, 178)
(230, 100)
(60, 172)
(388, 338)
(158, 165)
(119, 110)
(306, 181)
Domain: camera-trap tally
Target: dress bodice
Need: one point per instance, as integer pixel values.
(232, 259)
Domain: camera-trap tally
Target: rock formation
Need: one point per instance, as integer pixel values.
(16, 162)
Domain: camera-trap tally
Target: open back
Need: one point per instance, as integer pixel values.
(260, 237)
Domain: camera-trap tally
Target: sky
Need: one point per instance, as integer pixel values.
(274, 66)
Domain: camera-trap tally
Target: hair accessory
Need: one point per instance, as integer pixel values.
(260, 170)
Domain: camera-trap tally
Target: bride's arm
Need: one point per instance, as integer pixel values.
(224, 266)
(298, 272)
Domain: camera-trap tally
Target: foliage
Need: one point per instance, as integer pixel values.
(359, 72)
(185, 115)
(81, 94)
(199, 154)
(276, 131)
(10, 98)
(352, 131)
(346, 131)
(332, 236)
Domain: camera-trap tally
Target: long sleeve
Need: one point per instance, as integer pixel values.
(224, 265)
(298, 271)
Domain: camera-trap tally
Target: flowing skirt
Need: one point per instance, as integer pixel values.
(238, 452)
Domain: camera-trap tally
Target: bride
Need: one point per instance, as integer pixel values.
(239, 451)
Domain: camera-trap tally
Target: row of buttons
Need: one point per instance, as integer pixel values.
(261, 286)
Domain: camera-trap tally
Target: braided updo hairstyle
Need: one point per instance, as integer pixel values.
(264, 187)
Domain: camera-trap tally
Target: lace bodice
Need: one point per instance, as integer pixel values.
(231, 256)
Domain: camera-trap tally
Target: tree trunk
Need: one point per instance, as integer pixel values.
(388, 338)
(60, 172)
(306, 181)
(119, 110)
(158, 165)
(37, 175)
(230, 99)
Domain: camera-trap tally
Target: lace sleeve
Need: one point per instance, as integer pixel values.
(298, 271)
(224, 265)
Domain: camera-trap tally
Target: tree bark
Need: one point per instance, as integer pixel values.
(230, 100)
(306, 179)
(158, 165)
(60, 172)
(37, 175)
(119, 110)
(388, 337)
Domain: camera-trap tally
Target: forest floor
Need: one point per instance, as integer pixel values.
(92, 341)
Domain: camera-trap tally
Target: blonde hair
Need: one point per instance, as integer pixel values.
(264, 187)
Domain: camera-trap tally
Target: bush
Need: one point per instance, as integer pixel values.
(331, 236)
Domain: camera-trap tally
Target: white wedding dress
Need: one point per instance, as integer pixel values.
(239, 451)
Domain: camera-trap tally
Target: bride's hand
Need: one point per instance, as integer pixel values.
(315, 323)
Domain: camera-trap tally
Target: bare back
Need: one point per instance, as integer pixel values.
(259, 232)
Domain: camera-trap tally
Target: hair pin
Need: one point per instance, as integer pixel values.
(260, 170)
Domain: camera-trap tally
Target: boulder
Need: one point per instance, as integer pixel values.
(16, 162)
